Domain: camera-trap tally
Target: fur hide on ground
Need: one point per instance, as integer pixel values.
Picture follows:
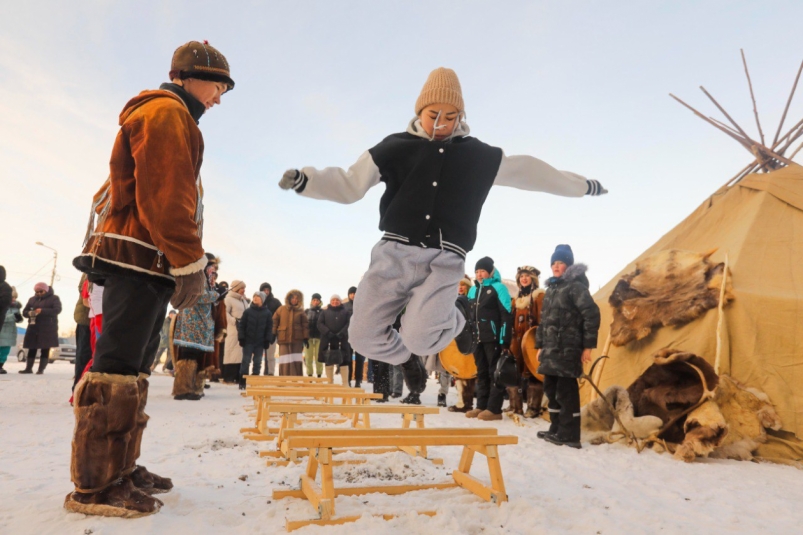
(599, 424)
(669, 288)
(669, 387)
(705, 429)
(748, 413)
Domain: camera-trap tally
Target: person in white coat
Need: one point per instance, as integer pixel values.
(236, 304)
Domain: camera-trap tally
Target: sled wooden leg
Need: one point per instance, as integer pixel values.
(326, 507)
(494, 493)
(495, 470)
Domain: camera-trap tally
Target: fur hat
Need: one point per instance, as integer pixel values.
(236, 285)
(41, 287)
(465, 281)
(533, 272)
(202, 61)
(441, 87)
(486, 263)
(563, 253)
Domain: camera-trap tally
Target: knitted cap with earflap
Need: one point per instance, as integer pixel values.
(441, 87)
(200, 60)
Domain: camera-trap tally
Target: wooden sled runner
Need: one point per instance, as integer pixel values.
(321, 443)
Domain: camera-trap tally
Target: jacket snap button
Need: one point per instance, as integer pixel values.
(440, 150)
(434, 183)
(427, 217)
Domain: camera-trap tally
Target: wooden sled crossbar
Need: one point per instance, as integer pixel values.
(257, 380)
(360, 418)
(321, 443)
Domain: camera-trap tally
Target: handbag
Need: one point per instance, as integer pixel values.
(506, 373)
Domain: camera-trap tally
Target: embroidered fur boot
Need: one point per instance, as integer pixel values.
(140, 476)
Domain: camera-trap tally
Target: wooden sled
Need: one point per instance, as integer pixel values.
(263, 397)
(360, 418)
(264, 380)
(320, 446)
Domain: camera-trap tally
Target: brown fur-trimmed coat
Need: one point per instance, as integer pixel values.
(290, 325)
(526, 314)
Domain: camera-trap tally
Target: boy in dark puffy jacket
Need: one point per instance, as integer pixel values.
(564, 339)
(255, 334)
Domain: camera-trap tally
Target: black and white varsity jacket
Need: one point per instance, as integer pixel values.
(435, 190)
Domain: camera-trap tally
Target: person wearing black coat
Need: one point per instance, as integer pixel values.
(255, 334)
(42, 311)
(333, 324)
(565, 337)
(272, 304)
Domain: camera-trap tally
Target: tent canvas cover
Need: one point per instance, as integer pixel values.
(758, 224)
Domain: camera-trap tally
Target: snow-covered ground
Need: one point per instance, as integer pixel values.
(222, 486)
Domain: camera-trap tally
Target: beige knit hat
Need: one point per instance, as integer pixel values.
(442, 87)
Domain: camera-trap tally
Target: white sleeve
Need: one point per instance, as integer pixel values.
(532, 174)
(335, 184)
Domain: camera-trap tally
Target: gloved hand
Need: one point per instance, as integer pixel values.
(595, 188)
(188, 289)
(291, 178)
(306, 343)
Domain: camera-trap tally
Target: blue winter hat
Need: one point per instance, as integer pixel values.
(563, 253)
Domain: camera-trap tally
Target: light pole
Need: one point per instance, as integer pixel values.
(55, 259)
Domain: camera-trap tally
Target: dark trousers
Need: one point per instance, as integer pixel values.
(381, 371)
(133, 314)
(231, 373)
(44, 357)
(489, 396)
(250, 352)
(370, 370)
(563, 396)
(83, 351)
(359, 363)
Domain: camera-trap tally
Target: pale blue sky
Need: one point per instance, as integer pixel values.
(582, 85)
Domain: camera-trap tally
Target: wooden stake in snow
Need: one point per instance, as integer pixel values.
(721, 317)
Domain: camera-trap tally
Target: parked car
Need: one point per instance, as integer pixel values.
(65, 351)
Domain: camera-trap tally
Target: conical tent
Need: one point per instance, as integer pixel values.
(758, 224)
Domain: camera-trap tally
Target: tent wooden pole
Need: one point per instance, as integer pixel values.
(741, 140)
(721, 316)
(720, 108)
(796, 151)
(753, 98)
(788, 102)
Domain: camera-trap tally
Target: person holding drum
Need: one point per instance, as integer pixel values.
(526, 317)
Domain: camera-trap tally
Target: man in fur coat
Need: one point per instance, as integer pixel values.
(146, 250)
(567, 334)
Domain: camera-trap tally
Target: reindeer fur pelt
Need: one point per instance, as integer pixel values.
(668, 288)
(669, 387)
(599, 424)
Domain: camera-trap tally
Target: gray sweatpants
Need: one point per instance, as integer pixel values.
(422, 280)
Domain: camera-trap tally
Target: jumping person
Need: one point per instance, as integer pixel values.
(564, 339)
(147, 252)
(437, 178)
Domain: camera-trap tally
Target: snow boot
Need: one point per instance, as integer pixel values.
(2, 370)
(473, 413)
(542, 434)
(467, 340)
(412, 399)
(441, 400)
(556, 440)
(142, 479)
(466, 390)
(488, 416)
(200, 383)
(535, 396)
(415, 375)
(514, 396)
(184, 381)
(107, 417)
